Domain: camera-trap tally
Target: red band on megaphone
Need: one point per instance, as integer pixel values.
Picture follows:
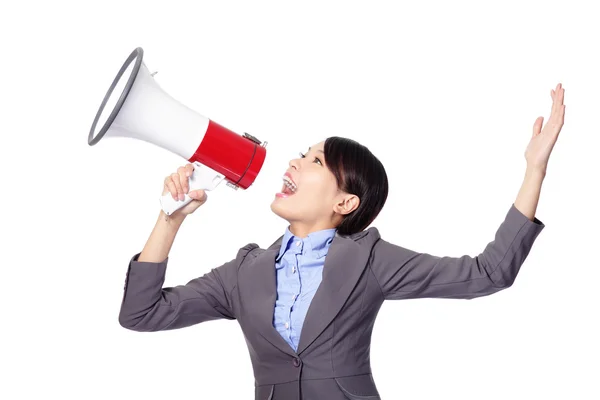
(237, 157)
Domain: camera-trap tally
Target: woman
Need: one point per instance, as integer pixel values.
(308, 303)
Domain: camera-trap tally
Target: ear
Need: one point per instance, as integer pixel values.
(346, 203)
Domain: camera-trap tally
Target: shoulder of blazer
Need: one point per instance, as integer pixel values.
(249, 250)
(366, 240)
(368, 237)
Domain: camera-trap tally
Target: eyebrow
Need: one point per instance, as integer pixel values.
(321, 151)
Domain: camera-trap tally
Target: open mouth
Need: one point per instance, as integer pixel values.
(289, 187)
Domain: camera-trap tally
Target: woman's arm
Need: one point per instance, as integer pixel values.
(538, 153)
(161, 239)
(147, 306)
(529, 194)
(406, 274)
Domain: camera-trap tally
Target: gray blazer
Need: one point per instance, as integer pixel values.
(360, 272)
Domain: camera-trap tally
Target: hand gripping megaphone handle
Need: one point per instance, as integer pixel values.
(203, 177)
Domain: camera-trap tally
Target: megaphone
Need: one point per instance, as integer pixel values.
(137, 107)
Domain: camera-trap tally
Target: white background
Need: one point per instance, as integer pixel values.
(444, 93)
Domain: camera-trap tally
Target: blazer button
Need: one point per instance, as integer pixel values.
(296, 362)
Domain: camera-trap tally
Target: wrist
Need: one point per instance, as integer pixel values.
(535, 172)
(175, 219)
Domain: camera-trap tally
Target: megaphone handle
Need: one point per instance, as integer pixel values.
(203, 177)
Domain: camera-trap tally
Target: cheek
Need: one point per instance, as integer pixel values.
(319, 189)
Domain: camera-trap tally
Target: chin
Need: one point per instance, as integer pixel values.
(283, 210)
(279, 210)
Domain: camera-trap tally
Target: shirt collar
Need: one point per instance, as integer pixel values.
(318, 241)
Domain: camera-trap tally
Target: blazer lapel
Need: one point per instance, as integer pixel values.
(258, 290)
(344, 264)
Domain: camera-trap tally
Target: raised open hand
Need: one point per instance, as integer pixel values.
(543, 140)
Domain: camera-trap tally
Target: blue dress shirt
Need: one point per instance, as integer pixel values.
(299, 269)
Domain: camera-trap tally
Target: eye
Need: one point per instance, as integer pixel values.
(302, 155)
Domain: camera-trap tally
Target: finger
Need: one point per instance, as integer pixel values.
(189, 168)
(559, 120)
(169, 187)
(560, 104)
(537, 126)
(177, 182)
(184, 180)
(557, 102)
(198, 194)
(554, 107)
(560, 94)
(172, 189)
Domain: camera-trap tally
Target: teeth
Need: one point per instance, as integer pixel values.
(289, 184)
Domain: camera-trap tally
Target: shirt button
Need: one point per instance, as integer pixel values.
(287, 325)
(294, 269)
(297, 244)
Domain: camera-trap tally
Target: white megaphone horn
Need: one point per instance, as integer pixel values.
(138, 108)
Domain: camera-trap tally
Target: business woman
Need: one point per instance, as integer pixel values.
(307, 303)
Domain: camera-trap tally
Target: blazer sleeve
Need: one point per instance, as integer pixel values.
(407, 274)
(147, 306)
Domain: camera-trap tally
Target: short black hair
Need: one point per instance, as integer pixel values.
(357, 172)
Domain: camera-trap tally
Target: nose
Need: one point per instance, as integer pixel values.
(294, 163)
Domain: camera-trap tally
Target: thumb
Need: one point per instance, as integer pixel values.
(196, 194)
(537, 126)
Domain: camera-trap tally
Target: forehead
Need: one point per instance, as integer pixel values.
(318, 146)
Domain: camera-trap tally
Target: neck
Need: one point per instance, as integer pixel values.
(303, 229)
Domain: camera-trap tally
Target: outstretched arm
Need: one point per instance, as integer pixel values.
(406, 274)
(403, 273)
